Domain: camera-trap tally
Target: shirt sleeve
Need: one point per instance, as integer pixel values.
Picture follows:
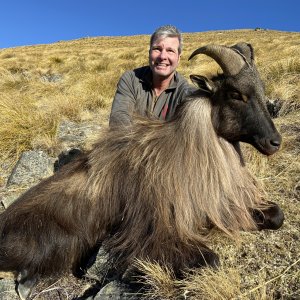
(123, 103)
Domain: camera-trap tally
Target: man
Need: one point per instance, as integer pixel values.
(153, 90)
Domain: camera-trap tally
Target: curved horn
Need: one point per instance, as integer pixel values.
(229, 60)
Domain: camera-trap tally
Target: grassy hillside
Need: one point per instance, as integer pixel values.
(40, 85)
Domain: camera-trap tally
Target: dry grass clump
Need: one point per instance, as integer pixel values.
(202, 284)
(160, 281)
(22, 123)
(209, 284)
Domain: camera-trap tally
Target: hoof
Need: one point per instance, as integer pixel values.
(205, 259)
(132, 275)
(270, 218)
(209, 259)
(25, 284)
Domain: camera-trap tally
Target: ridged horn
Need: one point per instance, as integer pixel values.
(229, 60)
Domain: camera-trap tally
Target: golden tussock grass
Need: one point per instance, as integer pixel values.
(66, 78)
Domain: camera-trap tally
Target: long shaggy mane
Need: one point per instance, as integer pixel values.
(166, 184)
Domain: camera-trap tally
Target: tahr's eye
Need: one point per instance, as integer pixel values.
(237, 96)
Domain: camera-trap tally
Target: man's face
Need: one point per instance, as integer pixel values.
(164, 57)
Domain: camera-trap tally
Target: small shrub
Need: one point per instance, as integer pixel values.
(56, 60)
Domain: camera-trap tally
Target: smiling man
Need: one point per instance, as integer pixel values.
(153, 90)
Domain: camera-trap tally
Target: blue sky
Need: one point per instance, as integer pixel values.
(30, 22)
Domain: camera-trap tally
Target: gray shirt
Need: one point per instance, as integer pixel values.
(134, 94)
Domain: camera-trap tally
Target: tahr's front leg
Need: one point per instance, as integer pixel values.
(25, 284)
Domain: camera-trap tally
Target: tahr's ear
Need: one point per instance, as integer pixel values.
(246, 49)
(203, 83)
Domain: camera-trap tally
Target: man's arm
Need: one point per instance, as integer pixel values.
(124, 102)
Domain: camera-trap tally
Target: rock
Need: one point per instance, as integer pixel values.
(30, 168)
(72, 138)
(73, 135)
(5, 170)
(51, 78)
(7, 290)
(98, 266)
(9, 197)
(102, 270)
(115, 291)
(274, 107)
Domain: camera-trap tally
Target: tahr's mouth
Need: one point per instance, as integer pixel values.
(267, 146)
